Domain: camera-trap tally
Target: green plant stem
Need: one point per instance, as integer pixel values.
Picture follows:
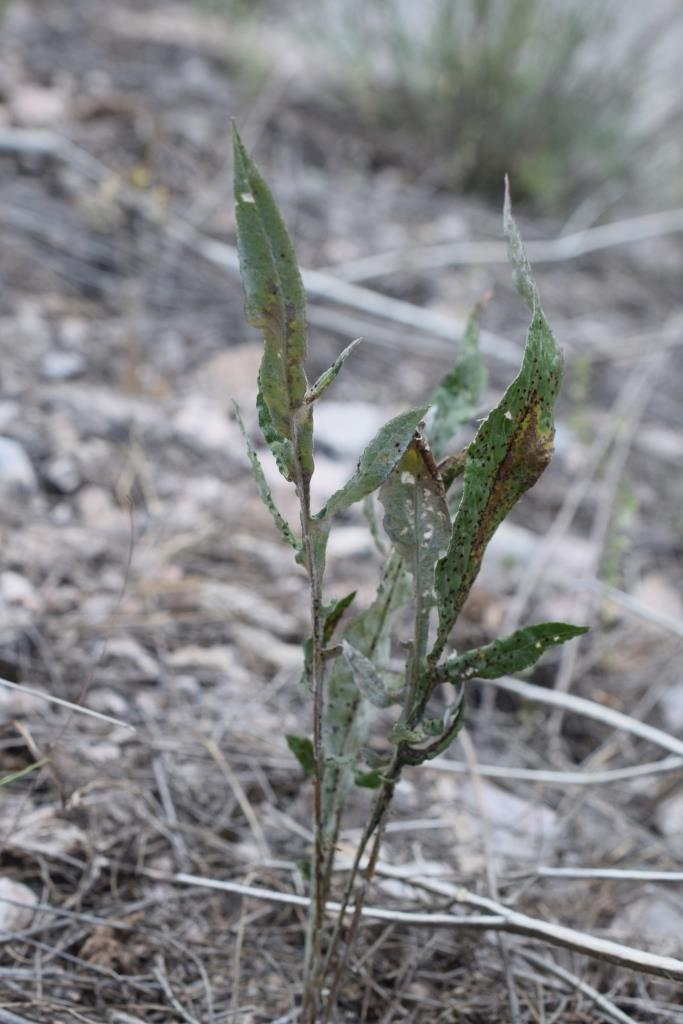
(317, 911)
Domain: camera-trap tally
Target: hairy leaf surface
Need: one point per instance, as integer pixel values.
(379, 688)
(376, 462)
(275, 303)
(509, 654)
(510, 451)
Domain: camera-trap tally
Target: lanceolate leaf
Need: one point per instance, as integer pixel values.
(263, 488)
(326, 378)
(456, 399)
(512, 653)
(376, 462)
(512, 448)
(375, 686)
(275, 304)
(333, 613)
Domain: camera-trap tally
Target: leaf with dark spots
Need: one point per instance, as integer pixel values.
(509, 453)
(417, 522)
(275, 304)
(377, 461)
(509, 654)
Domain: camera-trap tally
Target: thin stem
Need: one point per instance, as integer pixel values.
(375, 825)
(360, 901)
(317, 908)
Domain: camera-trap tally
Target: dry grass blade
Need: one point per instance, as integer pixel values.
(66, 704)
(603, 1002)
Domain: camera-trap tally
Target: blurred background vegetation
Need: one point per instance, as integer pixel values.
(567, 96)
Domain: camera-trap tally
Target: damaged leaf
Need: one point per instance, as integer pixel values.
(275, 304)
(510, 451)
(376, 462)
(509, 654)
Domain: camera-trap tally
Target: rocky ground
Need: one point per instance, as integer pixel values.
(141, 577)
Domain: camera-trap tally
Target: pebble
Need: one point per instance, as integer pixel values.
(62, 474)
(669, 816)
(16, 589)
(653, 920)
(58, 365)
(671, 704)
(12, 917)
(16, 472)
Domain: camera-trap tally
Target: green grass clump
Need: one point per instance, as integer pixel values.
(463, 91)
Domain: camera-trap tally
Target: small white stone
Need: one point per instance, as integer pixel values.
(58, 365)
(12, 917)
(16, 471)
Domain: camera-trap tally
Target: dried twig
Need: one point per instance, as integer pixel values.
(613, 874)
(419, 259)
(318, 285)
(559, 778)
(498, 917)
(589, 709)
(490, 867)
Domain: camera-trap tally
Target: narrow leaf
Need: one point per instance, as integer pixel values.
(14, 776)
(512, 448)
(378, 688)
(326, 378)
(302, 748)
(332, 613)
(457, 397)
(275, 304)
(264, 490)
(376, 462)
(509, 654)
